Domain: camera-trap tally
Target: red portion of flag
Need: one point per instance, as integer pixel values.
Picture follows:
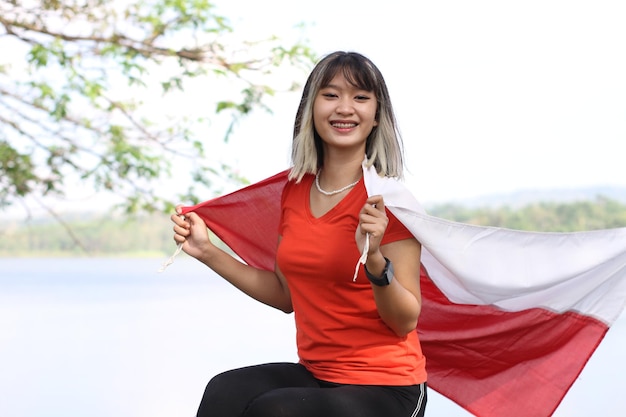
(247, 220)
(496, 363)
(490, 362)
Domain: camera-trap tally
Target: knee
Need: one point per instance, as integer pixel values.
(226, 381)
(221, 396)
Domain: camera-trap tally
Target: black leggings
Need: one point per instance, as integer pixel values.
(289, 390)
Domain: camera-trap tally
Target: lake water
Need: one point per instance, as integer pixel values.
(114, 338)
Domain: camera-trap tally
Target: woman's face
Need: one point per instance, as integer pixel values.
(344, 115)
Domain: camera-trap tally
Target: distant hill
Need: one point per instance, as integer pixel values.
(522, 198)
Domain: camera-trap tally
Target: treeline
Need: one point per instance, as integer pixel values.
(90, 235)
(601, 213)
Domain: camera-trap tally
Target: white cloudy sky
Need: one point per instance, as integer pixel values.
(492, 96)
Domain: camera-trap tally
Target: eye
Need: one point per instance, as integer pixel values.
(329, 95)
(362, 97)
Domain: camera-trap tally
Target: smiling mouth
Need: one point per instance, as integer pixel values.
(343, 125)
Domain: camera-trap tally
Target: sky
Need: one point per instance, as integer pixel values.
(491, 96)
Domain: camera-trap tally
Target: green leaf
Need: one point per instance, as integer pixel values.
(38, 55)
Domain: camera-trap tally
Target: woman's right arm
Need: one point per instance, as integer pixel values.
(268, 287)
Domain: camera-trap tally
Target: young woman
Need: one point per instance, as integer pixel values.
(359, 354)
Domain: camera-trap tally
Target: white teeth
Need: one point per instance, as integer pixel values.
(344, 125)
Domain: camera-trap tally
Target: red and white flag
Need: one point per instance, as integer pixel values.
(509, 318)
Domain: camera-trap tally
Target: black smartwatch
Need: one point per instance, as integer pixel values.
(385, 278)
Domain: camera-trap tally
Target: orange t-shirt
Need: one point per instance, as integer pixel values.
(340, 336)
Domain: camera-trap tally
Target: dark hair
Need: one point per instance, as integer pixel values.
(383, 146)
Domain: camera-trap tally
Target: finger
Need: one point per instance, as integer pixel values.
(374, 230)
(377, 202)
(193, 218)
(180, 224)
(183, 230)
(177, 219)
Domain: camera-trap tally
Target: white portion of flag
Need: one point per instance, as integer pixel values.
(511, 269)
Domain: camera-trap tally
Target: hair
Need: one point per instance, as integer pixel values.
(384, 148)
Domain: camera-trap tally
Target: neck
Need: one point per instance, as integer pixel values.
(344, 167)
(336, 176)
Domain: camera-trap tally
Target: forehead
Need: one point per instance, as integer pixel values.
(340, 81)
(355, 76)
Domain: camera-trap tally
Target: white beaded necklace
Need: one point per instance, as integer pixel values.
(329, 193)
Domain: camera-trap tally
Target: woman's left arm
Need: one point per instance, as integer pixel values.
(399, 303)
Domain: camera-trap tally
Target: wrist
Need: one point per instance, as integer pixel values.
(208, 254)
(384, 278)
(375, 263)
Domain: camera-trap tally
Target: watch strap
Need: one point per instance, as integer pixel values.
(385, 278)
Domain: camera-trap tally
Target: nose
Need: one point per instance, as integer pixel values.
(344, 106)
